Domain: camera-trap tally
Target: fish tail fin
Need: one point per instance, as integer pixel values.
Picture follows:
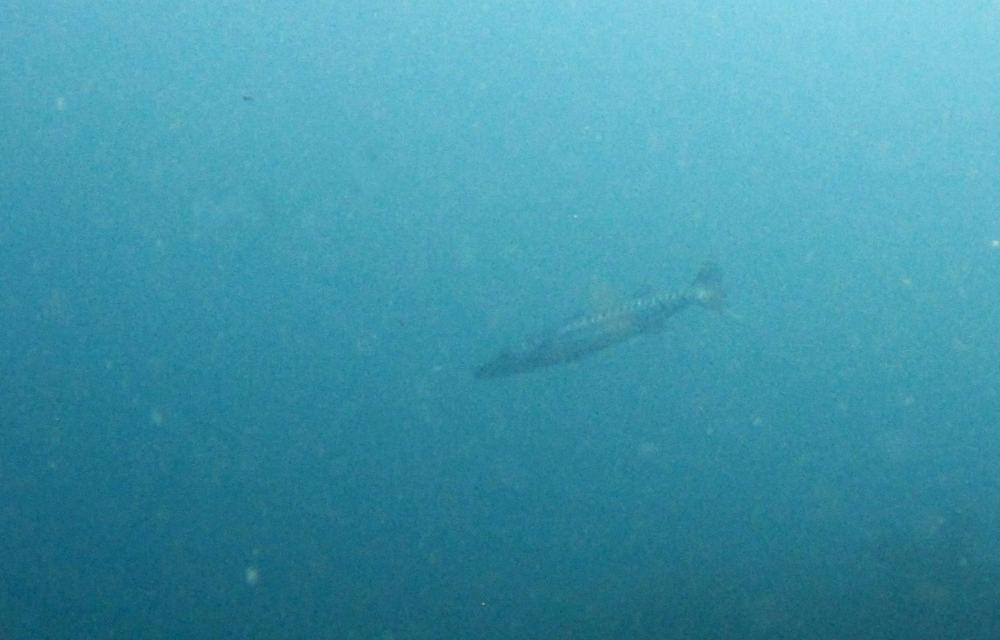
(706, 289)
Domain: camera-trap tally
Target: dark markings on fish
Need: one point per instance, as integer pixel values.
(593, 332)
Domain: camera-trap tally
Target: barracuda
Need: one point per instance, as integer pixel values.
(590, 333)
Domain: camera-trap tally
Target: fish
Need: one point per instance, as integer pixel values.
(586, 334)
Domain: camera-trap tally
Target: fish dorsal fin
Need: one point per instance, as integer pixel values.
(603, 295)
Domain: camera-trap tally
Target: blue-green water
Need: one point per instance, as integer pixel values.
(251, 253)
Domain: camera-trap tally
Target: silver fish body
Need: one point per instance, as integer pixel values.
(589, 333)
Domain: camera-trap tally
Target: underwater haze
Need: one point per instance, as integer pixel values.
(251, 254)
